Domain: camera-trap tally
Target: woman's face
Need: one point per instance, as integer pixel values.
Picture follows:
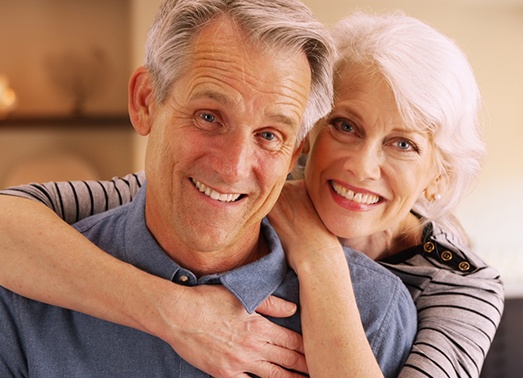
(366, 168)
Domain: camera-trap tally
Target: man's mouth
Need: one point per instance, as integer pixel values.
(213, 194)
(363, 198)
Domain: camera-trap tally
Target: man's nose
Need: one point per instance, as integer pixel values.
(233, 158)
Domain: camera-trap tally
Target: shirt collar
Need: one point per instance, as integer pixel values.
(251, 284)
(254, 282)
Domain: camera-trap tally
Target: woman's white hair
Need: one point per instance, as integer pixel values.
(435, 91)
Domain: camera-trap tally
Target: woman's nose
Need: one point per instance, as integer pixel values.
(365, 162)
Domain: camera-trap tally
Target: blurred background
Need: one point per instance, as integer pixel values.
(64, 67)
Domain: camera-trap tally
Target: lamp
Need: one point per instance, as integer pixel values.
(8, 100)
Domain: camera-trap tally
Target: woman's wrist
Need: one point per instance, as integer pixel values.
(311, 258)
(155, 300)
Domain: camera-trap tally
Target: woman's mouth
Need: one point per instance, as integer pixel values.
(363, 198)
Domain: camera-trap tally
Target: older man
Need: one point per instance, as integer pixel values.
(228, 91)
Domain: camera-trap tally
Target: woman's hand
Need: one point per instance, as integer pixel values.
(217, 335)
(299, 227)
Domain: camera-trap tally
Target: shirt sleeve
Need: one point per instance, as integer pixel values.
(75, 200)
(458, 315)
(457, 322)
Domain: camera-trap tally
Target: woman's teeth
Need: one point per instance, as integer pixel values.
(367, 199)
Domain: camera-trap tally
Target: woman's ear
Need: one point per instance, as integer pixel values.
(437, 188)
(141, 100)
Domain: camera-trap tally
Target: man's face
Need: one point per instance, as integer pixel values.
(222, 143)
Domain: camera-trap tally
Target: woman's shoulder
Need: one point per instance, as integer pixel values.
(441, 249)
(442, 261)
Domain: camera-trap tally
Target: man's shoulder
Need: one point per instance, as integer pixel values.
(108, 219)
(386, 308)
(362, 266)
(107, 230)
(371, 280)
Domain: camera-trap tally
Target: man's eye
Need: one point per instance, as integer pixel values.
(267, 135)
(208, 117)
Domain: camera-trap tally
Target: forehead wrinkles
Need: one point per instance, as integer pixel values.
(241, 72)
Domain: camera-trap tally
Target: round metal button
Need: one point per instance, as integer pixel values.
(429, 247)
(446, 256)
(464, 266)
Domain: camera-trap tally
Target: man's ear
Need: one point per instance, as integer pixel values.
(306, 145)
(141, 100)
(297, 153)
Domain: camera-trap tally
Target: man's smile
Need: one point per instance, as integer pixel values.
(213, 194)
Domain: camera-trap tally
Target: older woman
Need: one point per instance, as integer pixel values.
(385, 171)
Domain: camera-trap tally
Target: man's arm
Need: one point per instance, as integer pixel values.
(45, 259)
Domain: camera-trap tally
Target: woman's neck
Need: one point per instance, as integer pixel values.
(389, 242)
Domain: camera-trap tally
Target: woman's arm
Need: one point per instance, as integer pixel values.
(45, 259)
(75, 200)
(458, 315)
(335, 343)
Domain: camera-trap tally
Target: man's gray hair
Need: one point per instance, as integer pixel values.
(282, 24)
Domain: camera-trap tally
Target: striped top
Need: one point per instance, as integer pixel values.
(458, 297)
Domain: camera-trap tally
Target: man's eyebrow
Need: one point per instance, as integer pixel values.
(213, 95)
(226, 100)
(284, 119)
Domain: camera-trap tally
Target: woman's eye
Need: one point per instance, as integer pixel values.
(403, 144)
(406, 145)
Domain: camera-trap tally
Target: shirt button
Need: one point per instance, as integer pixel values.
(183, 279)
(446, 256)
(464, 266)
(428, 247)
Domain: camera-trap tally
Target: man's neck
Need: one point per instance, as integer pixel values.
(203, 263)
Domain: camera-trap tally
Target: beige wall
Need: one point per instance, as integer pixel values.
(491, 34)
(44, 43)
(42, 131)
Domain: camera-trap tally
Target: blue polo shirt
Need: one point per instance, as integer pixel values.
(40, 340)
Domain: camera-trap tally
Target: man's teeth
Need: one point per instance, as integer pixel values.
(214, 194)
(367, 199)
